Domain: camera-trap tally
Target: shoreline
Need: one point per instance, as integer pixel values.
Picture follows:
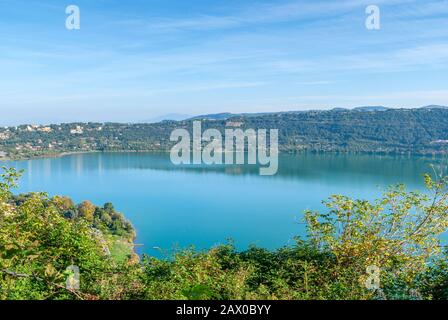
(290, 152)
(71, 153)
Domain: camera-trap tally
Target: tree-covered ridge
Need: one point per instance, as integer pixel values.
(419, 131)
(398, 234)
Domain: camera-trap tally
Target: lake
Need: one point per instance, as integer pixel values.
(173, 206)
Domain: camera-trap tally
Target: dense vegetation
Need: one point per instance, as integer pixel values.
(40, 237)
(419, 131)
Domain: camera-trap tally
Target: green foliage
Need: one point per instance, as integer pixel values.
(36, 241)
(192, 275)
(86, 209)
(419, 131)
(8, 181)
(399, 233)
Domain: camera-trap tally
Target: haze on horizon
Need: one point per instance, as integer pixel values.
(138, 60)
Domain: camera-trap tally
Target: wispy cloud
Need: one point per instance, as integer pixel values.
(315, 83)
(254, 54)
(428, 56)
(275, 13)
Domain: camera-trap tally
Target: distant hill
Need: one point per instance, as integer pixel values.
(170, 116)
(433, 106)
(228, 115)
(410, 131)
(215, 116)
(371, 108)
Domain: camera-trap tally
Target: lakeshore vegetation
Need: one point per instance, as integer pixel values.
(368, 130)
(40, 236)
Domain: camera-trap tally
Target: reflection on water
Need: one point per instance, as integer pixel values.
(205, 205)
(306, 166)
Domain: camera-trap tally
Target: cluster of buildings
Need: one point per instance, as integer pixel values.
(33, 127)
(37, 144)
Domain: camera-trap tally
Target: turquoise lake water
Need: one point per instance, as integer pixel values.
(203, 206)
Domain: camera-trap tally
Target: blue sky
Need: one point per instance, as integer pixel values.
(138, 59)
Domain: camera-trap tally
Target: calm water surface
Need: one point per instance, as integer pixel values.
(203, 206)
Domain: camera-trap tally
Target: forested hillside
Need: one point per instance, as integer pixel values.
(419, 131)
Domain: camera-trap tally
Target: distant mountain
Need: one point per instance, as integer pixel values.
(371, 108)
(434, 106)
(228, 115)
(215, 116)
(170, 116)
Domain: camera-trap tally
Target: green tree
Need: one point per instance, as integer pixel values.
(86, 209)
(63, 203)
(399, 233)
